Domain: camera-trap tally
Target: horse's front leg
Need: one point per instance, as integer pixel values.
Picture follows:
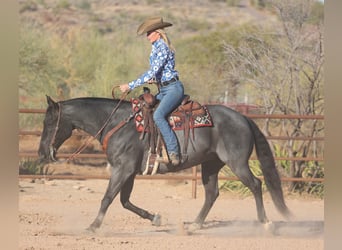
(115, 184)
(209, 178)
(124, 199)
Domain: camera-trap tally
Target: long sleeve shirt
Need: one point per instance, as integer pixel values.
(162, 64)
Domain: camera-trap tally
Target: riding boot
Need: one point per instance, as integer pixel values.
(174, 159)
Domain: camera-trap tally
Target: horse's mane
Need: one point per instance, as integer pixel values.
(93, 99)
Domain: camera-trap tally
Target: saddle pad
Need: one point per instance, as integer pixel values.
(176, 122)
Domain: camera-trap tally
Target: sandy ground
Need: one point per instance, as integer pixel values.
(53, 214)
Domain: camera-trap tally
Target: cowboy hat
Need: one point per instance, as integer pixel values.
(151, 24)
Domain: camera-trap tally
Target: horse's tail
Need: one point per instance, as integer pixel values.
(269, 170)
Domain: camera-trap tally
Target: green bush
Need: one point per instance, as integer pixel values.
(63, 4)
(84, 4)
(28, 6)
(237, 186)
(32, 167)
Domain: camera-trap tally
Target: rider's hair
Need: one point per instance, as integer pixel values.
(166, 38)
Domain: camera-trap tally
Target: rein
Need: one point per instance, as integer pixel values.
(90, 139)
(115, 129)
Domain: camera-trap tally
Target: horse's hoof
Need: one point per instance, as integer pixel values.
(194, 227)
(156, 220)
(91, 229)
(269, 227)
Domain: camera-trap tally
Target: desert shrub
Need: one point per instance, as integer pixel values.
(237, 186)
(40, 64)
(84, 4)
(32, 167)
(63, 4)
(201, 62)
(197, 25)
(232, 3)
(28, 6)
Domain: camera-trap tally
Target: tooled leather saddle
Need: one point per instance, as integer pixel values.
(187, 116)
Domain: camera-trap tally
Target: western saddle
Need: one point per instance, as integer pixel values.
(185, 113)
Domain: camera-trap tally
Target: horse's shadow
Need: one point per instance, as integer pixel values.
(255, 228)
(231, 228)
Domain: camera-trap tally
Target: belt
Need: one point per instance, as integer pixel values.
(174, 79)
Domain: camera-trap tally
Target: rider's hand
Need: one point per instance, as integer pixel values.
(124, 88)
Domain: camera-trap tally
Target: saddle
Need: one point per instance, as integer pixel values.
(187, 116)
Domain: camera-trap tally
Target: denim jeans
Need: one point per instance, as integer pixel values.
(170, 97)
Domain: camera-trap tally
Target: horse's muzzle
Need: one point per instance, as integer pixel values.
(47, 154)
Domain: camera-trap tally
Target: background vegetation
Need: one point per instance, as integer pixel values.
(268, 52)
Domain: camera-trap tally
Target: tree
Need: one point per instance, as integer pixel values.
(284, 67)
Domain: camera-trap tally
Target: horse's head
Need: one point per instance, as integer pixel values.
(57, 128)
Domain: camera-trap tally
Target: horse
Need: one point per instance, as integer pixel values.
(230, 141)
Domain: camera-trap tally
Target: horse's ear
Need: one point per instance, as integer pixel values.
(50, 101)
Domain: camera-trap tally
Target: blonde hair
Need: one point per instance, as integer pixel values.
(166, 39)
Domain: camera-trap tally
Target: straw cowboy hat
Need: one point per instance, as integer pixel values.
(152, 24)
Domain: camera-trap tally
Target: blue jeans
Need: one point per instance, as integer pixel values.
(170, 97)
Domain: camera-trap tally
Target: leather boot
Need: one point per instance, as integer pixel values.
(174, 159)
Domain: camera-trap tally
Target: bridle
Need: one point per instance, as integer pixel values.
(51, 147)
(90, 139)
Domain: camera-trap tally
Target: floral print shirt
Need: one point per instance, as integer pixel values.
(162, 64)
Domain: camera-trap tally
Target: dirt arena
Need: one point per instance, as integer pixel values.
(53, 214)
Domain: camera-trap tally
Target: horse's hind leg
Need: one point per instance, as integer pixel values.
(243, 172)
(124, 199)
(209, 179)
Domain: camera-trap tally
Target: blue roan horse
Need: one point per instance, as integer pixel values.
(229, 141)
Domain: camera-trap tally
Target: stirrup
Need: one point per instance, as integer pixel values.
(162, 159)
(152, 164)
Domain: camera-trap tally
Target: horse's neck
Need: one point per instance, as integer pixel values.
(94, 121)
